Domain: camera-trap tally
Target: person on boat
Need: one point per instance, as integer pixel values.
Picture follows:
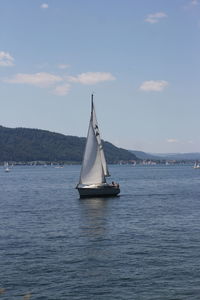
(115, 184)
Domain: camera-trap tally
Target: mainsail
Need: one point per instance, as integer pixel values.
(94, 167)
(97, 133)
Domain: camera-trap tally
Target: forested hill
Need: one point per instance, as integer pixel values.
(24, 145)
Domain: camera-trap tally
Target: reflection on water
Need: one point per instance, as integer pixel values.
(94, 229)
(2, 291)
(94, 211)
(27, 297)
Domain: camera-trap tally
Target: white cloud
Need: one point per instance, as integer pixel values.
(153, 85)
(44, 5)
(172, 141)
(38, 79)
(91, 77)
(61, 90)
(60, 84)
(194, 2)
(63, 66)
(180, 142)
(191, 4)
(6, 60)
(155, 18)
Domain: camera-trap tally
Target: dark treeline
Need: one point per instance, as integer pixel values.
(24, 144)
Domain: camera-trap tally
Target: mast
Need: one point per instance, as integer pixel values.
(92, 106)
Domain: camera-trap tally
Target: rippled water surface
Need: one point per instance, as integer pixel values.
(143, 245)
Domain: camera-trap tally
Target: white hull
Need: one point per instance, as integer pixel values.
(103, 191)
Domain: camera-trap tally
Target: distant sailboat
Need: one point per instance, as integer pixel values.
(59, 167)
(6, 167)
(196, 165)
(94, 169)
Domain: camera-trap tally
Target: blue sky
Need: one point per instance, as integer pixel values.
(141, 58)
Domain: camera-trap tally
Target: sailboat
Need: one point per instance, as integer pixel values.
(6, 167)
(94, 170)
(196, 165)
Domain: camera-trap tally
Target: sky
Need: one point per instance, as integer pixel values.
(140, 58)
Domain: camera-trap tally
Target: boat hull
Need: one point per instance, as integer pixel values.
(106, 191)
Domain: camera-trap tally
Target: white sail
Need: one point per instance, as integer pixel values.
(96, 129)
(6, 167)
(92, 170)
(94, 167)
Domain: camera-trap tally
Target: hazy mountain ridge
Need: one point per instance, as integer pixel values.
(166, 156)
(144, 155)
(181, 156)
(25, 144)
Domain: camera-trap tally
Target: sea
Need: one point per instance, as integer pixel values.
(142, 245)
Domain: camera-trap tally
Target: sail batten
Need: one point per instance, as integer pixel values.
(94, 167)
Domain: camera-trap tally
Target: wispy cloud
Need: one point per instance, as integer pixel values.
(60, 84)
(172, 141)
(6, 60)
(181, 142)
(44, 5)
(63, 66)
(38, 79)
(194, 2)
(153, 85)
(91, 77)
(191, 4)
(61, 90)
(155, 18)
